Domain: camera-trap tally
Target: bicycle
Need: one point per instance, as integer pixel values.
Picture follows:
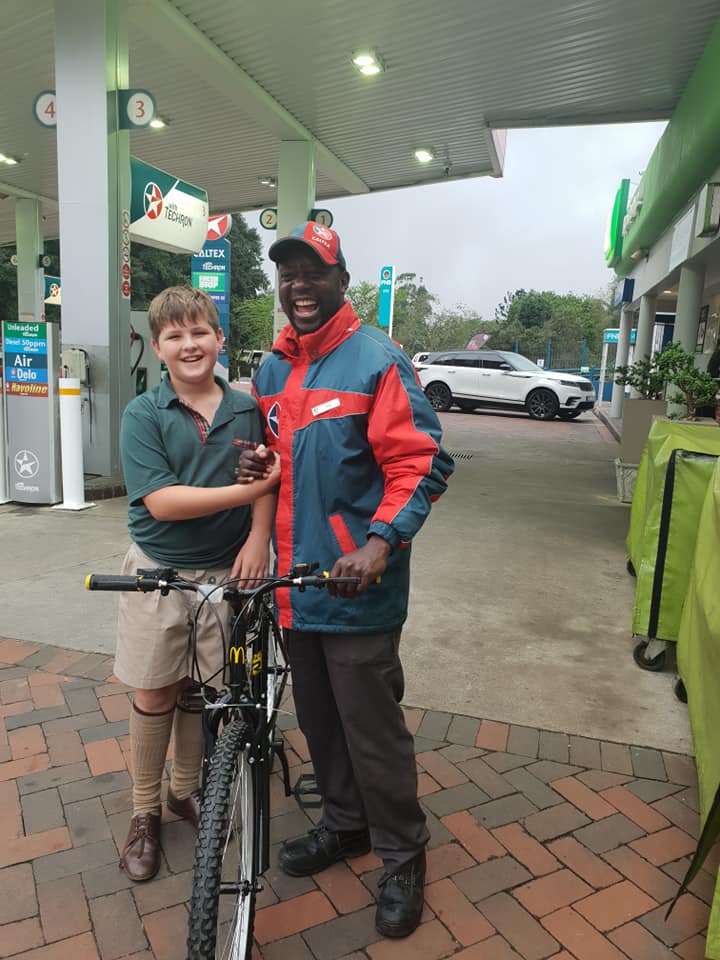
(240, 747)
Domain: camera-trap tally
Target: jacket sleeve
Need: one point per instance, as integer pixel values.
(404, 433)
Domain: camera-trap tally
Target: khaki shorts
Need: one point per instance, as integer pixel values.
(153, 632)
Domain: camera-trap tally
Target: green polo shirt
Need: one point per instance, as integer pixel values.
(162, 446)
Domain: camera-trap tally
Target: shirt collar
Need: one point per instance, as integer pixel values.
(166, 394)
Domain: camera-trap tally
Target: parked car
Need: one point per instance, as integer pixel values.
(498, 378)
(426, 357)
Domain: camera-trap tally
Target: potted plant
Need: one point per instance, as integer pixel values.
(645, 377)
(669, 376)
(695, 387)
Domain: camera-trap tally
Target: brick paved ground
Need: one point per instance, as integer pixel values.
(543, 845)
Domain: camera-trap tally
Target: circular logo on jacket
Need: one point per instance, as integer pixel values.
(273, 419)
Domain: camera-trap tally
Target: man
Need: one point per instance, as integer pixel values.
(361, 462)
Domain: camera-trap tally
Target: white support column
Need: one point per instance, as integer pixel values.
(687, 319)
(689, 303)
(621, 359)
(296, 197)
(646, 324)
(91, 63)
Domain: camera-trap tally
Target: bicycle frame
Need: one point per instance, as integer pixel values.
(248, 665)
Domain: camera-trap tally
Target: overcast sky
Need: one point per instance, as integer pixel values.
(541, 226)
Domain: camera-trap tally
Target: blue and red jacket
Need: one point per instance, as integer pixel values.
(360, 454)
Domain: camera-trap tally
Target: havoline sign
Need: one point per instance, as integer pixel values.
(166, 212)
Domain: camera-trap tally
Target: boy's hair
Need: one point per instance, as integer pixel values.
(178, 305)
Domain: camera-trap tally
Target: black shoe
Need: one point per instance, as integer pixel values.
(320, 848)
(400, 904)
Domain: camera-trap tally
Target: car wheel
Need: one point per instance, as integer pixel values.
(569, 414)
(542, 404)
(439, 396)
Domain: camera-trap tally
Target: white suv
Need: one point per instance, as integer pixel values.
(496, 378)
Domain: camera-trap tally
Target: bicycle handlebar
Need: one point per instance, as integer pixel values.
(159, 579)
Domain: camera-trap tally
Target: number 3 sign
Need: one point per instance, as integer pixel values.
(136, 108)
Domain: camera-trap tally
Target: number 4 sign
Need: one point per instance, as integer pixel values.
(45, 108)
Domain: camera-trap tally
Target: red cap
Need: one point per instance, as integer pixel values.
(321, 240)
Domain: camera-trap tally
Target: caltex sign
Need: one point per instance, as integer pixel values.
(166, 212)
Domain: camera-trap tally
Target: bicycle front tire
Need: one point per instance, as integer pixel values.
(225, 853)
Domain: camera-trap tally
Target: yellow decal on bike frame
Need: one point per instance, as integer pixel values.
(256, 664)
(237, 655)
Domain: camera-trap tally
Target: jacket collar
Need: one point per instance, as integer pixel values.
(310, 346)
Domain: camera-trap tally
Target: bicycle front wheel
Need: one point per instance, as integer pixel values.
(222, 906)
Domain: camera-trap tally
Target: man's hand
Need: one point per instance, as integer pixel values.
(368, 563)
(255, 464)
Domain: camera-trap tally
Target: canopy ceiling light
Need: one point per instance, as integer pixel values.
(10, 161)
(157, 123)
(424, 154)
(268, 181)
(367, 62)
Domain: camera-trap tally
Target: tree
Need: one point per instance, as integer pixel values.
(501, 310)
(364, 298)
(251, 327)
(528, 319)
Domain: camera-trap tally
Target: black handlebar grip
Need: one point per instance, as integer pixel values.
(97, 581)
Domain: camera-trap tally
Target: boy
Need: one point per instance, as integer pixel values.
(186, 511)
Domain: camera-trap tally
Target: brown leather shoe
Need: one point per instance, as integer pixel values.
(188, 809)
(141, 854)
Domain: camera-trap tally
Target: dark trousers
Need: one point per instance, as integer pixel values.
(347, 690)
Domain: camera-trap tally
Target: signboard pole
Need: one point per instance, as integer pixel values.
(386, 298)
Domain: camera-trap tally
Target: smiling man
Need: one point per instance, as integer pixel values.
(362, 463)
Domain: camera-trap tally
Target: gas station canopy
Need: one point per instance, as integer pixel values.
(231, 81)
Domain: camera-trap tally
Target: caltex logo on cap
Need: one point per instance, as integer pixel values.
(322, 231)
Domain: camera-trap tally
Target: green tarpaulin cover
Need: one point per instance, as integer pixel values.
(664, 437)
(698, 655)
(669, 544)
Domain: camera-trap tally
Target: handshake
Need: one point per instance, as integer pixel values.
(257, 462)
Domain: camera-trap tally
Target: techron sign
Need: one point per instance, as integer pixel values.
(166, 212)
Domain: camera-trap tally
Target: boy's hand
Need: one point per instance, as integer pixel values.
(253, 560)
(256, 464)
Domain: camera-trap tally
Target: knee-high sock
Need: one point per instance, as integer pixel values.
(149, 740)
(187, 752)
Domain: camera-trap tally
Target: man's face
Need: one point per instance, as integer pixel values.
(310, 291)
